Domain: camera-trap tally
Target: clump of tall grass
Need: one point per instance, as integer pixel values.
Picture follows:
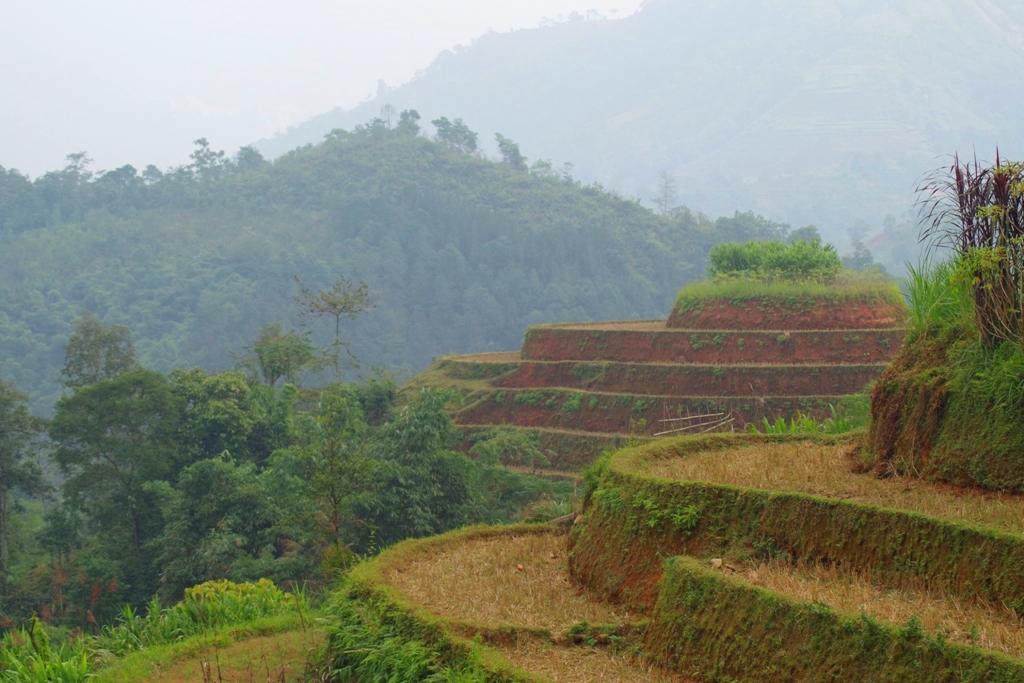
(939, 297)
(978, 212)
(27, 655)
(996, 374)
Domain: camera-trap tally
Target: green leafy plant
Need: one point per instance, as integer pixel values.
(800, 259)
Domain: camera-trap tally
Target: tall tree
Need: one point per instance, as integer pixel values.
(207, 163)
(17, 471)
(409, 121)
(339, 467)
(510, 153)
(344, 299)
(96, 352)
(455, 134)
(112, 438)
(278, 355)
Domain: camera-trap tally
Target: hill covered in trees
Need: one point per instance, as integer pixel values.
(804, 111)
(459, 252)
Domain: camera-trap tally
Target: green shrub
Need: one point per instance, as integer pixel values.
(205, 607)
(801, 259)
(510, 446)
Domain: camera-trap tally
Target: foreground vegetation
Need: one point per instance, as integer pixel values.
(30, 655)
(955, 392)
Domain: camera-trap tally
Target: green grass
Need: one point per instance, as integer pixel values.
(846, 415)
(938, 299)
(848, 286)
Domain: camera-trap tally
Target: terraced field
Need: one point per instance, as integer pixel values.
(582, 388)
(732, 557)
(789, 565)
(509, 589)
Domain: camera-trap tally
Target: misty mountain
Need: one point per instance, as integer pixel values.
(807, 111)
(460, 253)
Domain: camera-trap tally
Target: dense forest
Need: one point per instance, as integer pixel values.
(143, 484)
(458, 252)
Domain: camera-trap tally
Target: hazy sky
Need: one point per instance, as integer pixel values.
(135, 81)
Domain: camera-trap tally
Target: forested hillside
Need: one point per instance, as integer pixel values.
(806, 111)
(459, 252)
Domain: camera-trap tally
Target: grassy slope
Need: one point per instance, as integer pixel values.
(282, 644)
(848, 287)
(944, 410)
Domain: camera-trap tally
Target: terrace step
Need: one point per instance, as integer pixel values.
(509, 589)
(805, 315)
(798, 497)
(681, 380)
(652, 342)
(728, 624)
(784, 564)
(616, 413)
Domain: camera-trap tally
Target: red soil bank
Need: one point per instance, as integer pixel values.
(752, 315)
(700, 380)
(645, 345)
(616, 413)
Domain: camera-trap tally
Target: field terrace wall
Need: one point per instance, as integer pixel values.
(651, 543)
(652, 342)
(798, 315)
(698, 380)
(632, 413)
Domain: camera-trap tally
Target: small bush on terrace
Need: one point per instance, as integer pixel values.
(206, 607)
(852, 412)
(801, 259)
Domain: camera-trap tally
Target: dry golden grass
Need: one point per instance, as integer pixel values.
(990, 627)
(822, 470)
(521, 580)
(583, 664)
